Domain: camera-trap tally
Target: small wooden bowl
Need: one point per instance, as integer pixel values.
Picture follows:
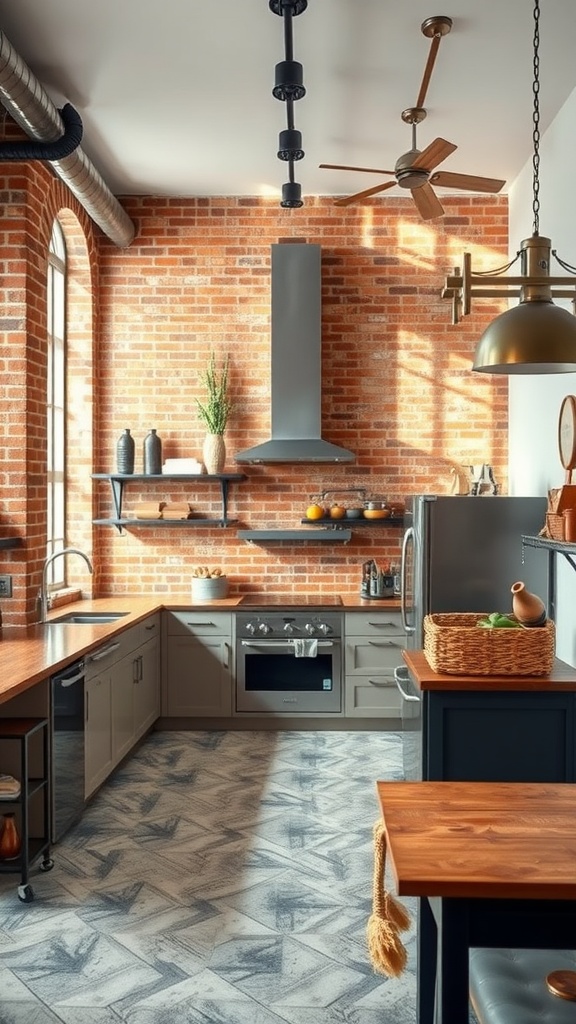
(376, 513)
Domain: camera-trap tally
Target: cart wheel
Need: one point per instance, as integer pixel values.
(47, 865)
(25, 893)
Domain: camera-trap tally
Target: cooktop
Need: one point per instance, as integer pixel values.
(290, 601)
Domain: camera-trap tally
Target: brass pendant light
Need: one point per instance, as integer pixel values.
(536, 336)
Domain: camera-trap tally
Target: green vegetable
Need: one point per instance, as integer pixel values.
(498, 621)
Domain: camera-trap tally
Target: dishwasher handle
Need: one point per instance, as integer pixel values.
(76, 674)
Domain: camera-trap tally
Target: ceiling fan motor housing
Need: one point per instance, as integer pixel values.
(408, 176)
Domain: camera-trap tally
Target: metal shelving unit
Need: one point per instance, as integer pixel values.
(21, 731)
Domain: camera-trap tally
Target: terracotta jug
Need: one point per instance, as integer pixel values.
(528, 608)
(9, 838)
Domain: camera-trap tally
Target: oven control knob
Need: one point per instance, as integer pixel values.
(264, 628)
(310, 628)
(251, 628)
(289, 628)
(324, 628)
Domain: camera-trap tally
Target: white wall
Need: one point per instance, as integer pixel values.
(534, 463)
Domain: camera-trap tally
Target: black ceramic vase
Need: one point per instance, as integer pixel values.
(125, 453)
(152, 454)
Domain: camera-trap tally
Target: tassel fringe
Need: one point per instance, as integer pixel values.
(388, 918)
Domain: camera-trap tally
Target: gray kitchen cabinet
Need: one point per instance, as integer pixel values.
(136, 687)
(122, 706)
(122, 697)
(147, 684)
(374, 641)
(198, 666)
(98, 761)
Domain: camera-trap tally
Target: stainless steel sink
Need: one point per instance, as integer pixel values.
(88, 618)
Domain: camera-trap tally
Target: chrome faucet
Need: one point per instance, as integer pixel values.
(43, 592)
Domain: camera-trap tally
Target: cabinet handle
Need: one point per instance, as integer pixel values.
(213, 624)
(376, 682)
(384, 643)
(151, 626)
(87, 706)
(380, 625)
(226, 662)
(140, 668)
(137, 669)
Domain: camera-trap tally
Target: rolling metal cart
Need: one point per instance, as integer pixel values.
(24, 745)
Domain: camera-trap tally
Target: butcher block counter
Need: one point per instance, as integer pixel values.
(561, 679)
(30, 655)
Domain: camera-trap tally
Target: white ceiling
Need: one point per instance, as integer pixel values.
(176, 97)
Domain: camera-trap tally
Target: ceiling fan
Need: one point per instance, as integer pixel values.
(414, 169)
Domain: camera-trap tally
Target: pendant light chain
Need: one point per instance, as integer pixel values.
(536, 122)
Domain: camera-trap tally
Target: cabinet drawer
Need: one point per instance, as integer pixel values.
(147, 630)
(374, 623)
(199, 623)
(364, 654)
(372, 697)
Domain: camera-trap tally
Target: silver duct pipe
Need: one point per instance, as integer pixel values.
(28, 103)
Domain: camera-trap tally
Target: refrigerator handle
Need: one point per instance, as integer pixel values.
(408, 538)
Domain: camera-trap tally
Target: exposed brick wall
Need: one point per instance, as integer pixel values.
(30, 198)
(397, 386)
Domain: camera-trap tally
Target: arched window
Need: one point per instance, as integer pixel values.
(56, 405)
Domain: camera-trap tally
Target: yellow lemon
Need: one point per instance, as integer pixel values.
(314, 512)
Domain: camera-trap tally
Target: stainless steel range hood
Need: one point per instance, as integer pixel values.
(296, 373)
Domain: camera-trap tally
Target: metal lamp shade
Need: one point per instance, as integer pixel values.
(533, 337)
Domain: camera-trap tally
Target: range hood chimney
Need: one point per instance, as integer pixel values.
(296, 373)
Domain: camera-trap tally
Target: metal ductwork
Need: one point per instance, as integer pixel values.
(295, 362)
(29, 105)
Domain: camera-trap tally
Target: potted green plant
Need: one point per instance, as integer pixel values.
(214, 412)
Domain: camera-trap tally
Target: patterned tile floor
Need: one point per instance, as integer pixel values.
(217, 878)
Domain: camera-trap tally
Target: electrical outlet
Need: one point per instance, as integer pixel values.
(5, 586)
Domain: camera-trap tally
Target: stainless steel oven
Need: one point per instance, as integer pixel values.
(289, 662)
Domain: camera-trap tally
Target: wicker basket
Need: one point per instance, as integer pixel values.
(554, 526)
(453, 643)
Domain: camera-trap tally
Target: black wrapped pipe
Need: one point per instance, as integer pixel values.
(57, 150)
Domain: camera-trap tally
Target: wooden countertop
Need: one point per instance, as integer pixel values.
(481, 839)
(34, 653)
(561, 679)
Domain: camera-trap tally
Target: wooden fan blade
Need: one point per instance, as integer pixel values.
(434, 154)
(429, 206)
(364, 195)
(343, 167)
(445, 179)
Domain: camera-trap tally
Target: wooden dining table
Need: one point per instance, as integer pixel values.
(494, 864)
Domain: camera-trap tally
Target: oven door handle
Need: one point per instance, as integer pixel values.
(280, 643)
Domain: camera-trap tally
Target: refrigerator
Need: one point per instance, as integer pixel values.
(462, 553)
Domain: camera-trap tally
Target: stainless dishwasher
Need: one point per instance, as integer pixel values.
(67, 747)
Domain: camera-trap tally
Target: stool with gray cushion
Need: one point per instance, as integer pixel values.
(508, 986)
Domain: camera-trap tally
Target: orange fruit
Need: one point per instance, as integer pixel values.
(337, 512)
(314, 512)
